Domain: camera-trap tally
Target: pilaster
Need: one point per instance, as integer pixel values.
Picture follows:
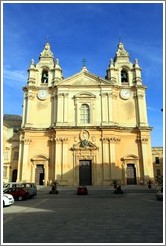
(147, 158)
(29, 99)
(24, 158)
(51, 176)
(106, 163)
(141, 108)
(61, 158)
(65, 107)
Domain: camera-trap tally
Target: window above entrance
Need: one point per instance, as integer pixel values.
(85, 114)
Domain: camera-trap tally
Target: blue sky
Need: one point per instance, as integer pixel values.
(84, 30)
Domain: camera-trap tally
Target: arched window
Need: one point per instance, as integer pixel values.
(124, 76)
(44, 76)
(85, 114)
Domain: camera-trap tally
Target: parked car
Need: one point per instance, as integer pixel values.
(18, 193)
(159, 193)
(81, 190)
(8, 200)
(28, 186)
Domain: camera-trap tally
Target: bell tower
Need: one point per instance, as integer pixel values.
(127, 76)
(130, 103)
(38, 93)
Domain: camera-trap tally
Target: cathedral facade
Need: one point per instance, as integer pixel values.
(85, 130)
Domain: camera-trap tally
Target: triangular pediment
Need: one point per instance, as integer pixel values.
(83, 78)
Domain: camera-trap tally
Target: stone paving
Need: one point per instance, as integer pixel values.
(99, 217)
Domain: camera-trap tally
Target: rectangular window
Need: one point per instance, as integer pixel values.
(6, 156)
(157, 160)
(15, 157)
(4, 172)
(158, 172)
(85, 114)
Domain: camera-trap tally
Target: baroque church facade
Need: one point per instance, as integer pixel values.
(85, 130)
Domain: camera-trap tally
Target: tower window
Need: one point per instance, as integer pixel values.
(85, 114)
(157, 160)
(45, 76)
(124, 76)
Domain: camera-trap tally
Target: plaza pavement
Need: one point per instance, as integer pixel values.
(100, 217)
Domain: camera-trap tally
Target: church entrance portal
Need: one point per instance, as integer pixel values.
(131, 174)
(39, 175)
(85, 172)
(14, 175)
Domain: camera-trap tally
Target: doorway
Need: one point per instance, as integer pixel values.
(14, 175)
(85, 172)
(131, 174)
(39, 175)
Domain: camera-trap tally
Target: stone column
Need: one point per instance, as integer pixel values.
(51, 169)
(25, 159)
(58, 154)
(65, 155)
(106, 165)
(110, 111)
(64, 160)
(65, 107)
(59, 108)
(114, 140)
(21, 151)
(112, 157)
(147, 159)
(24, 110)
(32, 178)
(141, 108)
(30, 98)
(104, 105)
(75, 120)
(46, 163)
(54, 109)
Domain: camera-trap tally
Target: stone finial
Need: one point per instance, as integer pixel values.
(32, 65)
(121, 50)
(111, 63)
(121, 55)
(136, 61)
(136, 64)
(58, 70)
(47, 51)
(32, 62)
(57, 66)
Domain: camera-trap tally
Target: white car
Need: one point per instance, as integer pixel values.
(8, 200)
(159, 193)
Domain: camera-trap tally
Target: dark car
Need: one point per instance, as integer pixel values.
(18, 193)
(82, 190)
(159, 193)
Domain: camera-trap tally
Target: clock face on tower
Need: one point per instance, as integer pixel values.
(125, 93)
(42, 94)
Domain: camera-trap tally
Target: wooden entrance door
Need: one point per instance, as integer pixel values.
(14, 175)
(85, 172)
(131, 174)
(39, 175)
